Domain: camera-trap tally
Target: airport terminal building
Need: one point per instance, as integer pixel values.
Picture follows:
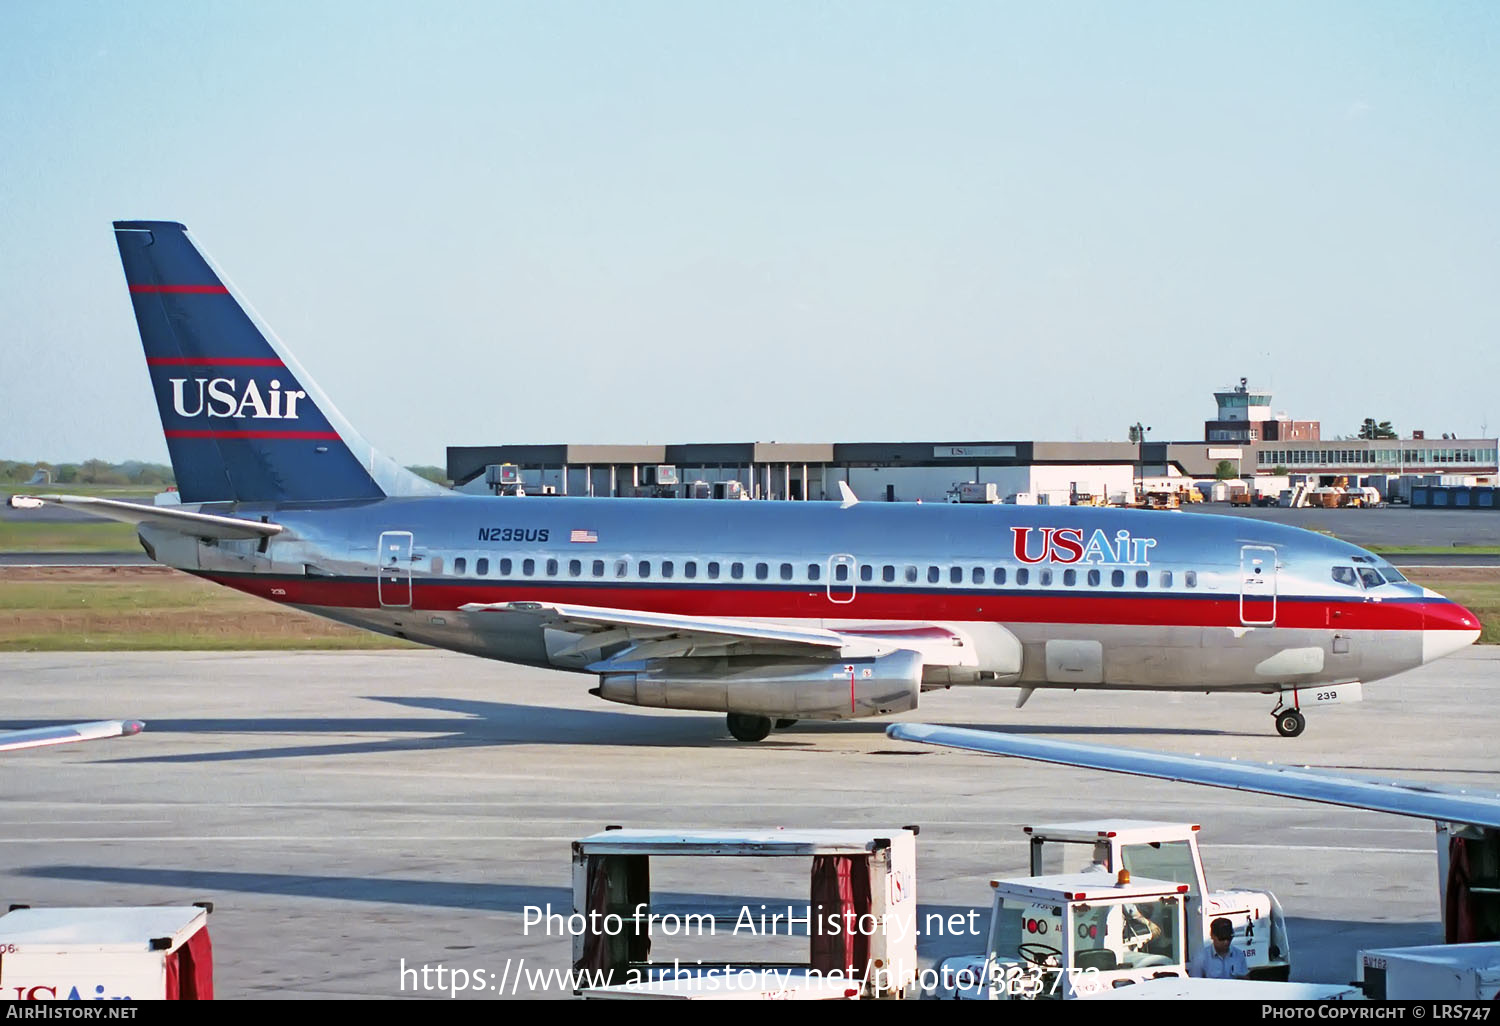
(1245, 434)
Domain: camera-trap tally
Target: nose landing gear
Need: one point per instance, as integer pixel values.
(1289, 722)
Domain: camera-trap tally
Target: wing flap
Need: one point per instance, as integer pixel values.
(598, 623)
(1264, 778)
(169, 518)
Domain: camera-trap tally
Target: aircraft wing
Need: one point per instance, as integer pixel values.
(40, 737)
(1401, 799)
(198, 525)
(664, 635)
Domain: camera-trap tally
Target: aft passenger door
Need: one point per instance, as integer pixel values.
(841, 578)
(394, 581)
(1258, 586)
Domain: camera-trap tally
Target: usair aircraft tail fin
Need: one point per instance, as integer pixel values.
(244, 422)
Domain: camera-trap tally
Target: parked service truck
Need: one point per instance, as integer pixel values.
(1169, 851)
(974, 491)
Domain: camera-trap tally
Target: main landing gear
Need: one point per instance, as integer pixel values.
(745, 727)
(1289, 722)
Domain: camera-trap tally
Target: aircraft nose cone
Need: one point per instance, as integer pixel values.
(1446, 628)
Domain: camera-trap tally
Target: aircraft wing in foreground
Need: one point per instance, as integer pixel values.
(67, 733)
(1398, 798)
(1468, 825)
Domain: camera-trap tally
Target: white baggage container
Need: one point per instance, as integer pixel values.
(106, 954)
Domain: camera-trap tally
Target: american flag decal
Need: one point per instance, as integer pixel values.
(583, 536)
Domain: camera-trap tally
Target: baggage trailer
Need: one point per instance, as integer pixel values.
(1434, 972)
(860, 915)
(106, 954)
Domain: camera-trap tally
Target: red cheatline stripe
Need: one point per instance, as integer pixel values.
(301, 436)
(182, 289)
(213, 361)
(446, 593)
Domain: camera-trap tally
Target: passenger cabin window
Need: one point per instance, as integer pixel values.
(713, 571)
(459, 564)
(888, 574)
(1022, 577)
(977, 576)
(1190, 578)
(598, 568)
(1166, 578)
(622, 568)
(505, 566)
(1143, 579)
(666, 568)
(999, 575)
(934, 575)
(1117, 579)
(841, 571)
(786, 571)
(910, 574)
(1070, 577)
(1345, 575)
(866, 572)
(1094, 578)
(528, 567)
(762, 571)
(643, 568)
(956, 575)
(1044, 578)
(690, 569)
(575, 568)
(737, 570)
(814, 571)
(551, 568)
(482, 567)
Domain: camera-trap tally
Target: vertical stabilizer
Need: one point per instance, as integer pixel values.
(243, 421)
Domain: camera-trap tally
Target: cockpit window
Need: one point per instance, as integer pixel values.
(1370, 578)
(1391, 574)
(1345, 575)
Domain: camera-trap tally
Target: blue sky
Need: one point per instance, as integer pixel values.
(657, 222)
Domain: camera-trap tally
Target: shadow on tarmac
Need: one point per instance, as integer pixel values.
(475, 724)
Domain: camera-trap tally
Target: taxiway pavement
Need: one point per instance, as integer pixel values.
(348, 811)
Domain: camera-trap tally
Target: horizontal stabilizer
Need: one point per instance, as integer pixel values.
(168, 518)
(40, 737)
(1400, 799)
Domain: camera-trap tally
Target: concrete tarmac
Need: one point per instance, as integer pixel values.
(349, 813)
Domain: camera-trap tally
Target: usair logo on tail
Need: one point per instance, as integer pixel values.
(221, 397)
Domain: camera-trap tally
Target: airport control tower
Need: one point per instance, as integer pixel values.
(1241, 404)
(1245, 415)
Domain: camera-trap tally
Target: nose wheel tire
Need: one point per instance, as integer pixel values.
(1290, 722)
(748, 728)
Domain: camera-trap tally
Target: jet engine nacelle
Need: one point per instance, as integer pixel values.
(834, 690)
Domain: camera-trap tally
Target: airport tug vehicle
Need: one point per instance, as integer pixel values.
(1070, 936)
(1169, 851)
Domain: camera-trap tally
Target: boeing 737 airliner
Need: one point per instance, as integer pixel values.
(767, 611)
